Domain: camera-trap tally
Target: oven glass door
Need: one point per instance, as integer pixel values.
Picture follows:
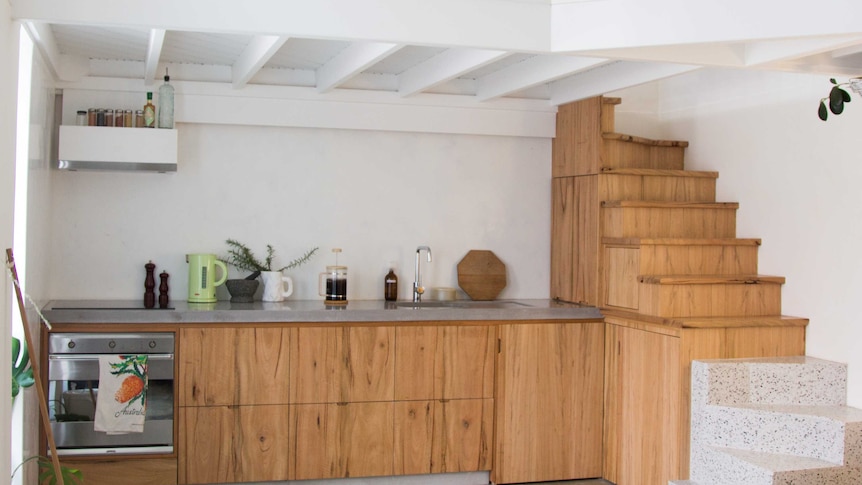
(73, 387)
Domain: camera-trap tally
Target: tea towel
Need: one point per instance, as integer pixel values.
(121, 405)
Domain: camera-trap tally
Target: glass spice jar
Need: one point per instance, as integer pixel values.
(139, 119)
(118, 117)
(128, 120)
(109, 117)
(91, 117)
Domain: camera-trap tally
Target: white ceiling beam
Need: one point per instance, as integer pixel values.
(597, 25)
(350, 62)
(154, 52)
(483, 24)
(443, 67)
(43, 39)
(758, 53)
(258, 52)
(612, 77)
(724, 55)
(532, 72)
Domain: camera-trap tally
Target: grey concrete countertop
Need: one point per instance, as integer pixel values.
(126, 311)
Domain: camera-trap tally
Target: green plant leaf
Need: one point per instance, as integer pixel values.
(71, 476)
(836, 100)
(846, 96)
(822, 112)
(832, 80)
(22, 373)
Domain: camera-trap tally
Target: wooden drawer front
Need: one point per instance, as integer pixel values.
(131, 471)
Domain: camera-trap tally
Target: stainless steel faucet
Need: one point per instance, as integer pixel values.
(418, 289)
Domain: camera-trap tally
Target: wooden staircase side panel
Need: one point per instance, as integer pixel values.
(575, 239)
(576, 148)
(682, 222)
(628, 154)
(714, 300)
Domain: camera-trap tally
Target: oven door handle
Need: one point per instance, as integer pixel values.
(86, 367)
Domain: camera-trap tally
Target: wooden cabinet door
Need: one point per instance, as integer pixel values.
(227, 444)
(443, 436)
(549, 402)
(642, 407)
(233, 366)
(338, 365)
(342, 440)
(454, 362)
(128, 471)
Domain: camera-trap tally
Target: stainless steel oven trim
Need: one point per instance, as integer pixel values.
(85, 367)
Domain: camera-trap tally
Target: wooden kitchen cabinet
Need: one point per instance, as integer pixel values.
(549, 402)
(648, 386)
(227, 444)
(444, 385)
(343, 364)
(342, 440)
(233, 366)
(131, 471)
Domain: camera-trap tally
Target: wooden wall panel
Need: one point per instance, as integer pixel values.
(575, 240)
(577, 145)
(622, 270)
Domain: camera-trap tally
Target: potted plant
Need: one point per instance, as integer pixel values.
(838, 96)
(241, 257)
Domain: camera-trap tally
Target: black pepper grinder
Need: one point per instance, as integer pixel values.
(149, 286)
(163, 290)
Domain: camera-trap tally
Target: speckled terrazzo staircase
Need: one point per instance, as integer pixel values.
(773, 421)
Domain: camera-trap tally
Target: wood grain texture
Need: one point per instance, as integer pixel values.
(576, 148)
(414, 437)
(575, 257)
(464, 433)
(692, 221)
(553, 374)
(225, 366)
(657, 185)
(481, 274)
(417, 363)
(706, 300)
(131, 471)
(622, 267)
(698, 259)
(339, 441)
(225, 444)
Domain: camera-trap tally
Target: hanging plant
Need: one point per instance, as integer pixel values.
(837, 97)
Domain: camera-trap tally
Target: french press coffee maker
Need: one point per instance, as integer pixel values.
(332, 284)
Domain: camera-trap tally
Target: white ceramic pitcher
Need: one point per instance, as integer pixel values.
(273, 286)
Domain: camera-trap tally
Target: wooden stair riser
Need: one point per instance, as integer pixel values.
(629, 154)
(657, 188)
(680, 222)
(623, 265)
(709, 300)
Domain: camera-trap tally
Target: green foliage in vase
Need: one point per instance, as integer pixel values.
(22, 373)
(837, 97)
(240, 256)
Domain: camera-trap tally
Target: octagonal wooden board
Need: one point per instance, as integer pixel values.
(481, 274)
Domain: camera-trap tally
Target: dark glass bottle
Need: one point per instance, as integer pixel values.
(390, 286)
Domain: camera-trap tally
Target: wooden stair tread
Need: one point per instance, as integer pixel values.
(644, 141)
(709, 322)
(612, 100)
(610, 204)
(634, 241)
(659, 172)
(709, 279)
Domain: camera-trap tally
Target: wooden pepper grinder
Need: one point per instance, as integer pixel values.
(163, 290)
(149, 286)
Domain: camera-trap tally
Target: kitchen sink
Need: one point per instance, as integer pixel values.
(461, 304)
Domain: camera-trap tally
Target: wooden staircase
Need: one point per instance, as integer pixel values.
(637, 235)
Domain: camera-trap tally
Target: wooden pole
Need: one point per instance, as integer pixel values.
(34, 364)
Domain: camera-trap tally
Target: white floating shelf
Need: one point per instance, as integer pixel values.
(113, 148)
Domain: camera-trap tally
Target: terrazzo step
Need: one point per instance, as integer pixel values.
(800, 380)
(725, 466)
(829, 433)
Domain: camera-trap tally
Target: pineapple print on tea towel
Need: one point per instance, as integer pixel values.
(121, 406)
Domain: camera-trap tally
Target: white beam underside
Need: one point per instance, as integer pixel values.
(599, 25)
(612, 77)
(532, 72)
(727, 55)
(350, 62)
(781, 50)
(43, 39)
(254, 57)
(154, 52)
(519, 26)
(444, 67)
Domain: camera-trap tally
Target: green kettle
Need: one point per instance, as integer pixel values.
(202, 282)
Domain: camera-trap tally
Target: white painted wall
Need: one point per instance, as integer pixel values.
(797, 180)
(377, 195)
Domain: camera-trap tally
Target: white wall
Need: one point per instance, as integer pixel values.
(377, 195)
(797, 181)
(8, 96)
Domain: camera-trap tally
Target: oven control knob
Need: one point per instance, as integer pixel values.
(112, 344)
(152, 344)
(71, 344)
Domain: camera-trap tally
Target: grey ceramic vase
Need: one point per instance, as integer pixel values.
(242, 291)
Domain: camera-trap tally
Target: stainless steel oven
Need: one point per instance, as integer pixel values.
(73, 386)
